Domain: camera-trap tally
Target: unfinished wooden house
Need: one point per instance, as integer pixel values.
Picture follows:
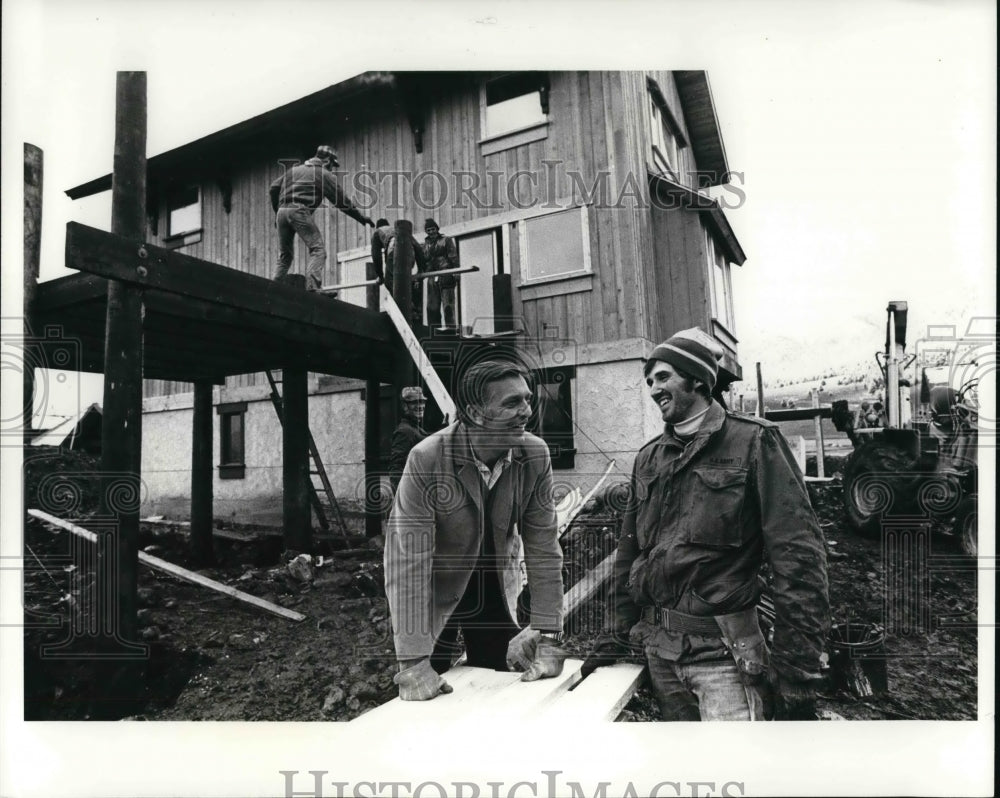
(575, 193)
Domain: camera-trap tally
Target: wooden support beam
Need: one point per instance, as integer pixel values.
(760, 393)
(296, 511)
(121, 438)
(202, 475)
(33, 161)
(98, 252)
(373, 431)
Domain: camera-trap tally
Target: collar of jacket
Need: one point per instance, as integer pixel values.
(713, 422)
(458, 449)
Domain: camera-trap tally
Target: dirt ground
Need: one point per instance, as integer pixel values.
(214, 658)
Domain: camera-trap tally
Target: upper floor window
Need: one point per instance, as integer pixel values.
(515, 101)
(555, 245)
(722, 291)
(183, 211)
(664, 140)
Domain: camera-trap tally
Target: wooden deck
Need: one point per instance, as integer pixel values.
(502, 696)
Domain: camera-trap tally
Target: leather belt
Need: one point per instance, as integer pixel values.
(674, 621)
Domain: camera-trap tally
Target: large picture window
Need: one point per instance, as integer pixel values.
(554, 246)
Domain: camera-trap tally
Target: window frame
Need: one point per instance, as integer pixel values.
(491, 142)
(717, 258)
(234, 469)
(524, 249)
(192, 234)
(562, 444)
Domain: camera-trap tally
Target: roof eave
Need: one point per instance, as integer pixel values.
(703, 124)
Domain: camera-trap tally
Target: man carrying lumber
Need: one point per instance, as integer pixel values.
(295, 196)
(451, 549)
(713, 496)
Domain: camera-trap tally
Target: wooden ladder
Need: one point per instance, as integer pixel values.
(315, 470)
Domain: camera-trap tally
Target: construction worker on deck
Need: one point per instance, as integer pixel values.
(295, 196)
(441, 253)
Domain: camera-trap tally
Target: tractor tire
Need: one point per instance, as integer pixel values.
(966, 528)
(878, 481)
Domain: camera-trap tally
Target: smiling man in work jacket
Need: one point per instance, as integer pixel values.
(471, 496)
(713, 497)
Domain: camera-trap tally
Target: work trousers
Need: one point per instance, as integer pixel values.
(710, 690)
(486, 626)
(439, 299)
(298, 220)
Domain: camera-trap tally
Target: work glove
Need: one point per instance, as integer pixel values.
(548, 661)
(521, 649)
(367, 220)
(607, 650)
(793, 699)
(420, 682)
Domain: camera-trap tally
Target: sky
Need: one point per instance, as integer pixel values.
(864, 133)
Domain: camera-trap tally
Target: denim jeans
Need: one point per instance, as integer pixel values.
(439, 299)
(299, 220)
(709, 690)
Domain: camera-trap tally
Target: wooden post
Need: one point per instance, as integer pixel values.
(741, 404)
(820, 448)
(760, 393)
(121, 439)
(373, 432)
(202, 475)
(403, 259)
(503, 303)
(32, 257)
(297, 514)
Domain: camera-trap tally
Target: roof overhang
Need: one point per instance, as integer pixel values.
(668, 195)
(703, 125)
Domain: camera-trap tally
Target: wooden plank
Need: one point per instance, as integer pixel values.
(98, 252)
(70, 290)
(589, 585)
(33, 162)
(176, 570)
(600, 697)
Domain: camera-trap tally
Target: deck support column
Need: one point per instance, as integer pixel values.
(202, 475)
(296, 512)
(33, 162)
(121, 439)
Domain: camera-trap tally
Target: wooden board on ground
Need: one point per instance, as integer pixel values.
(502, 696)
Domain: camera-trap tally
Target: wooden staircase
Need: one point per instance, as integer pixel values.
(322, 508)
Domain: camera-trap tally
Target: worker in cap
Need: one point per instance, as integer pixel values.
(295, 196)
(710, 496)
(440, 252)
(409, 432)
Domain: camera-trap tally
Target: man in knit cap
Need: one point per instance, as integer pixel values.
(712, 497)
(440, 252)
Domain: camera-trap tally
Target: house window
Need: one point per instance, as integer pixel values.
(553, 421)
(515, 101)
(555, 246)
(664, 140)
(722, 294)
(184, 211)
(232, 429)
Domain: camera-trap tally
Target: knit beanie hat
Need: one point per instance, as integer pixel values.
(429, 222)
(692, 351)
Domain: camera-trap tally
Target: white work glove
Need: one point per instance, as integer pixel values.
(537, 656)
(420, 682)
